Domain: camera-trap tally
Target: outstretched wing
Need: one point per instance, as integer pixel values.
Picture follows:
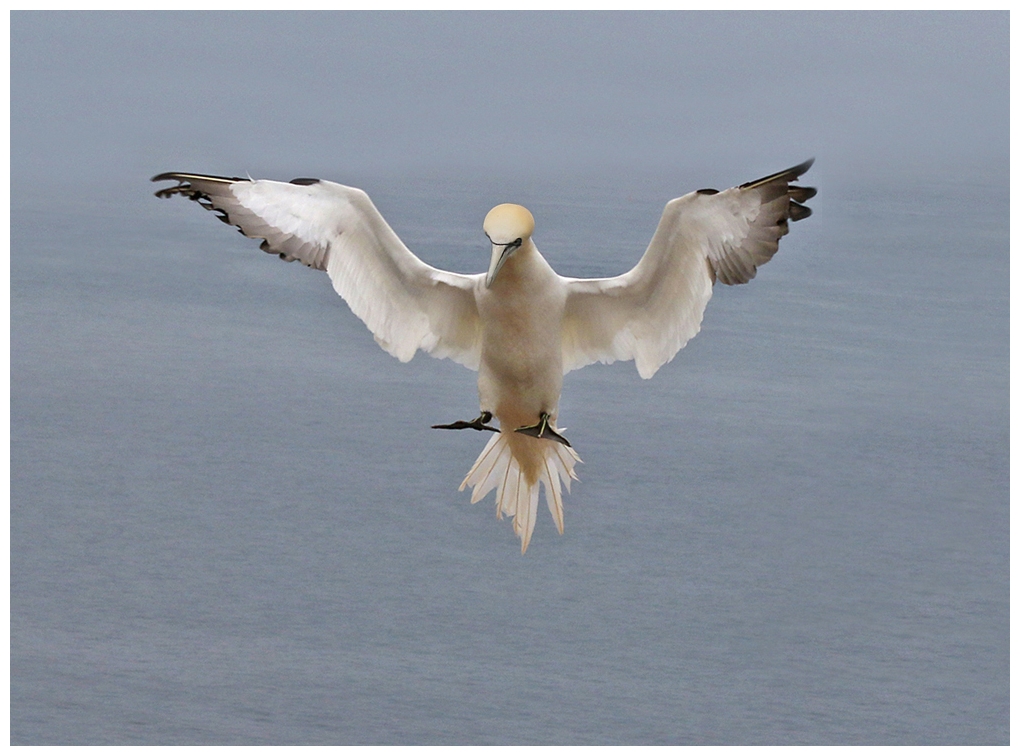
(406, 304)
(649, 313)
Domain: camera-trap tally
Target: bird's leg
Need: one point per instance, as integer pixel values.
(543, 429)
(479, 423)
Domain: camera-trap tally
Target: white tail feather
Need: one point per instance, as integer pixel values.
(515, 465)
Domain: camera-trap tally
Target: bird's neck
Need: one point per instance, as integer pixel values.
(525, 266)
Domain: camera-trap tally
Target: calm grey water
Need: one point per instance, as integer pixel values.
(231, 523)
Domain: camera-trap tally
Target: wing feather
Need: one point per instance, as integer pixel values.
(406, 304)
(649, 313)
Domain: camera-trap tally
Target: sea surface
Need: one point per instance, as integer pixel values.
(231, 522)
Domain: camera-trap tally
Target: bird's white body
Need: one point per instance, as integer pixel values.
(519, 378)
(521, 372)
(521, 325)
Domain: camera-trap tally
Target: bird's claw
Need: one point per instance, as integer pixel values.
(543, 429)
(479, 423)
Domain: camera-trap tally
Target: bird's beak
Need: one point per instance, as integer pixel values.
(500, 254)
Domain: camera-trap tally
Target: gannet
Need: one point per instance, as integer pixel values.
(520, 325)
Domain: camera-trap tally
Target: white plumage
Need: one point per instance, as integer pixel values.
(520, 325)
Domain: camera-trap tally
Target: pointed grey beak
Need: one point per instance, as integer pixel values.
(500, 254)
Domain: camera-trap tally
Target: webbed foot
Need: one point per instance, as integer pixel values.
(543, 429)
(479, 423)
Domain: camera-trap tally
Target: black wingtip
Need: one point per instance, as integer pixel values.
(790, 174)
(802, 193)
(178, 176)
(798, 211)
(803, 167)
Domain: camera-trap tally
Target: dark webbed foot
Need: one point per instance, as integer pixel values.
(479, 423)
(542, 429)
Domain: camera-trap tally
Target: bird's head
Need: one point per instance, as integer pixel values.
(508, 228)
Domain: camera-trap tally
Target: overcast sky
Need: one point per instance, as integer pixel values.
(103, 96)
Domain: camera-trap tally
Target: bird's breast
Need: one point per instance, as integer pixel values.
(522, 358)
(522, 339)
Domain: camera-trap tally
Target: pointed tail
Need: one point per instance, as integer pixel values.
(514, 465)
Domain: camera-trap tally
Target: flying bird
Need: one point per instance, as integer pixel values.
(520, 324)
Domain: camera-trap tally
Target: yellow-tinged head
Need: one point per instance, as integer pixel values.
(505, 223)
(508, 227)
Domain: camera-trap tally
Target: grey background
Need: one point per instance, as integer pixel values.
(230, 522)
(104, 94)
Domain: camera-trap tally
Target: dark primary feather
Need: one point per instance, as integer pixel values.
(212, 193)
(780, 204)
